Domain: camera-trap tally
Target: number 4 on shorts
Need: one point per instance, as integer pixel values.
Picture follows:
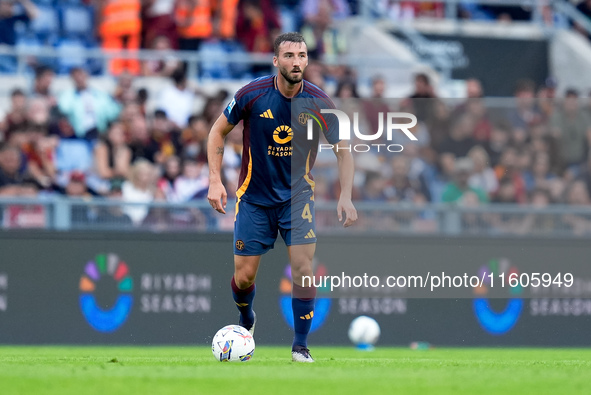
(307, 214)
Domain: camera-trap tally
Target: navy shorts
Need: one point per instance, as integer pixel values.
(256, 227)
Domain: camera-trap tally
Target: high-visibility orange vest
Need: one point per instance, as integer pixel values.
(193, 18)
(228, 12)
(121, 17)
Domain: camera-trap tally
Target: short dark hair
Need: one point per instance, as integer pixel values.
(42, 70)
(423, 77)
(76, 69)
(160, 113)
(17, 92)
(291, 37)
(195, 118)
(179, 76)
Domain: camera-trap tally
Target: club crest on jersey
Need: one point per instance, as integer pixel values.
(303, 118)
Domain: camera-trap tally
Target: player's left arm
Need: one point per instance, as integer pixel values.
(346, 173)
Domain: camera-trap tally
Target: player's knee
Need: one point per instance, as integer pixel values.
(298, 271)
(244, 279)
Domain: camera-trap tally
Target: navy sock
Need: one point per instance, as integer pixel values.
(303, 312)
(244, 299)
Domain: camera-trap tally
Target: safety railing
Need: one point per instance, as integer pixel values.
(62, 214)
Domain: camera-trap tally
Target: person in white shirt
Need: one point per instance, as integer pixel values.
(177, 100)
(139, 188)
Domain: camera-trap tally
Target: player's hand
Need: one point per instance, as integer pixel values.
(218, 197)
(346, 205)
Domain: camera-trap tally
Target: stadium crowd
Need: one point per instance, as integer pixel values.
(214, 27)
(86, 142)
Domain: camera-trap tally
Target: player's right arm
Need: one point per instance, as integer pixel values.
(217, 195)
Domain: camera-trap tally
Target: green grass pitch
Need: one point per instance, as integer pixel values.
(338, 370)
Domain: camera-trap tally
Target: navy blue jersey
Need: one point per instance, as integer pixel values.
(267, 177)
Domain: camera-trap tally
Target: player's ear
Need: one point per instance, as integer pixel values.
(275, 63)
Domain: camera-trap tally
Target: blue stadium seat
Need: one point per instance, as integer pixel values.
(46, 23)
(71, 51)
(77, 21)
(31, 42)
(214, 64)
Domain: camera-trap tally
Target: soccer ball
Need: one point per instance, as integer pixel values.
(364, 332)
(232, 343)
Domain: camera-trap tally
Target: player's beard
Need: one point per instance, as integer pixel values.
(291, 79)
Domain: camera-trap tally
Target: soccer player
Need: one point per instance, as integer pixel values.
(269, 199)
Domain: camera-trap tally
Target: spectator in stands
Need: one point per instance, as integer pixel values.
(460, 139)
(120, 27)
(508, 171)
(571, 127)
(539, 175)
(192, 183)
(420, 102)
(374, 187)
(177, 100)
(439, 125)
(61, 127)
(141, 144)
(124, 92)
(158, 21)
(172, 171)
(194, 138)
(112, 158)
(12, 172)
(377, 103)
(194, 21)
(17, 116)
(400, 187)
(506, 192)
(483, 176)
(214, 105)
(38, 111)
(525, 114)
(165, 137)
(8, 19)
(546, 96)
(139, 188)
(165, 64)
(41, 86)
(113, 214)
(456, 189)
(257, 25)
(315, 74)
(537, 223)
(77, 186)
(322, 38)
(499, 140)
(89, 110)
(38, 150)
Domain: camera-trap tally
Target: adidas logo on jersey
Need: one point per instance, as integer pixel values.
(310, 235)
(267, 114)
